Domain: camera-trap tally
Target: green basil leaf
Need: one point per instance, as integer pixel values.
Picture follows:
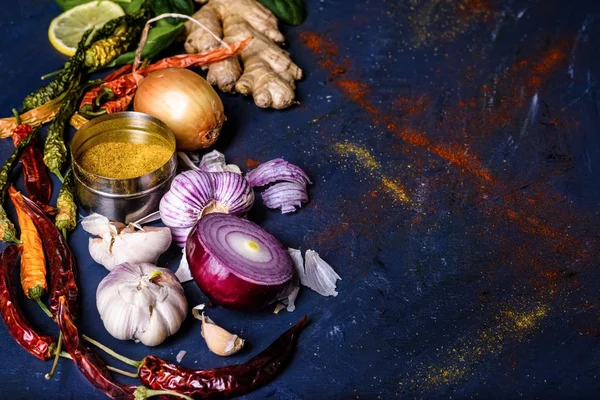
(160, 6)
(160, 37)
(182, 6)
(289, 11)
(129, 6)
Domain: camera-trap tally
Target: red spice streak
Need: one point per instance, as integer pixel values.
(250, 163)
(540, 215)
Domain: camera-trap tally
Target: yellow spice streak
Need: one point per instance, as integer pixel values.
(124, 160)
(445, 20)
(363, 156)
(396, 189)
(513, 326)
(366, 160)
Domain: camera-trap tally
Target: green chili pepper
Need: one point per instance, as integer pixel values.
(64, 79)
(115, 38)
(66, 219)
(7, 228)
(103, 51)
(55, 150)
(289, 11)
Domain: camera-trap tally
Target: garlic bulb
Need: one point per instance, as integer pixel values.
(141, 302)
(194, 194)
(118, 244)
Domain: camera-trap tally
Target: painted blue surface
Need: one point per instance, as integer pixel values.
(482, 283)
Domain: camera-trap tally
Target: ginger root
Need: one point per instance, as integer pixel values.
(269, 74)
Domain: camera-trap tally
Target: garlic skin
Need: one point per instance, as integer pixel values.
(218, 340)
(183, 272)
(141, 302)
(118, 244)
(213, 161)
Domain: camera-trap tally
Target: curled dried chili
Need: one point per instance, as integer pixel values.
(115, 95)
(226, 382)
(116, 37)
(62, 263)
(55, 149)
(66, 218)
(33, 261)
(35, 176)
(7, 228)
(71, 72)
(19, 328)
(87, 361)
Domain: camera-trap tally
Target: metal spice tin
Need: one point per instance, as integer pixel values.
(125, 200)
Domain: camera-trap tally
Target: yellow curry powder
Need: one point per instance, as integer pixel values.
(124, 160)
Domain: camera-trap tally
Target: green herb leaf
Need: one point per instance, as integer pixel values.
(172, 6)
(129, 6)
(182, 6)
(289, 11)
(160, 37)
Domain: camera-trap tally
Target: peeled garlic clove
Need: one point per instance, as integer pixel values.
(218, 340)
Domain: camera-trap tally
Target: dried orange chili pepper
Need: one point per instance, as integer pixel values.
(33, 260)
(119, 88)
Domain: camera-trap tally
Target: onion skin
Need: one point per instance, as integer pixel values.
(184, 101)
(223, 287)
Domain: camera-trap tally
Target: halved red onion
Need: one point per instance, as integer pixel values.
(285, 195)
(236, 263)
(194, 194)
(275, 171)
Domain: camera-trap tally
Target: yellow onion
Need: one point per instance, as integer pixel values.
(185, 102)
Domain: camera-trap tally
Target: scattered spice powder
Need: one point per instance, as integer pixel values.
(124, 160)
(536, 215)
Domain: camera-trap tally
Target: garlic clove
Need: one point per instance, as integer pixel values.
(218, 340)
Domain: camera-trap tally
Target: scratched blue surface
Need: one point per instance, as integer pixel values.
(477, 277)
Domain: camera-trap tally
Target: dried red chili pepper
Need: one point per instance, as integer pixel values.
(226, 382)
(87, 361)
(116, 94)
(35, 175)
(62, 263)
(91, 94)
(19, 328)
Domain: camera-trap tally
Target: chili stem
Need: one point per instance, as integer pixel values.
(60, 177)
(43, 307)
(142, 392)
(111, 352)
(17, 116)
(50, 74)
(56, 357)
(64, 354)
(125, 373)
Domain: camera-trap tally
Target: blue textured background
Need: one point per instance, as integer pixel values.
(454, 149)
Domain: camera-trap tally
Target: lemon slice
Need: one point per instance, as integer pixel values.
(66, 30)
